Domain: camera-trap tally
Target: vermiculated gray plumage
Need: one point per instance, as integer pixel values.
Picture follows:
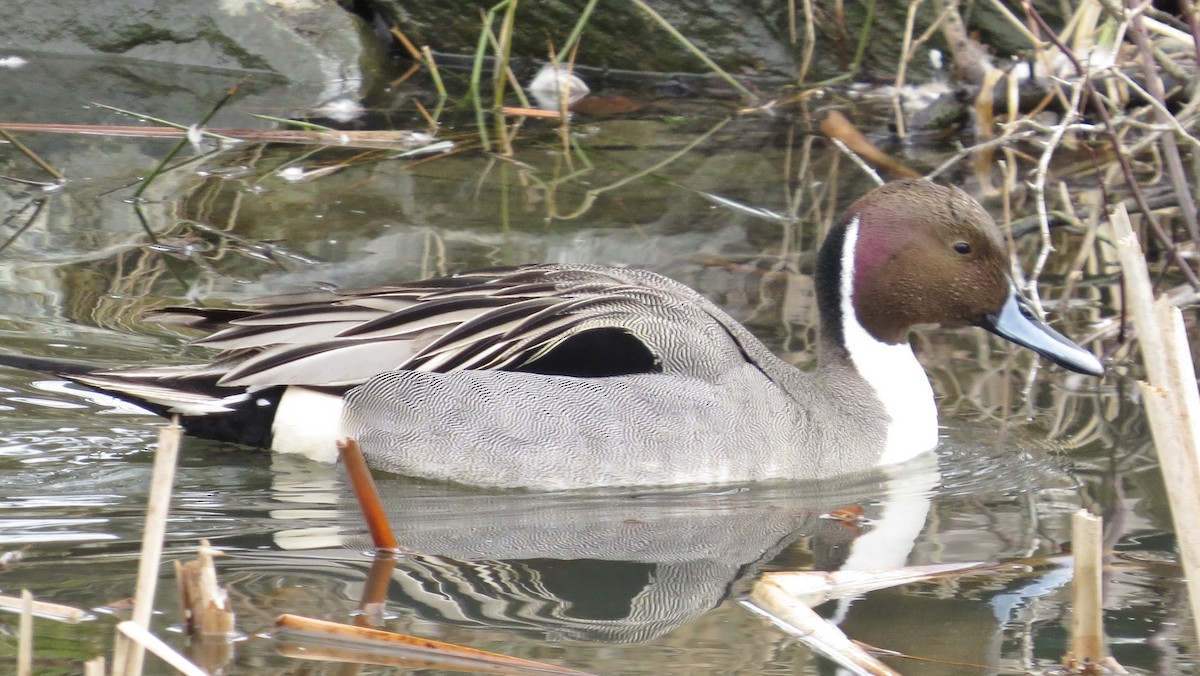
(572, 376)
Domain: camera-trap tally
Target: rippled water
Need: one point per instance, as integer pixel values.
(609, 581)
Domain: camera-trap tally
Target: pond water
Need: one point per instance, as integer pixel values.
(616, 581)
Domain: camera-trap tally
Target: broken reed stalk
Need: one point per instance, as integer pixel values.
(128, 655)
(787, 612)
(50, 611)
(307, 638)
(837, 126)
(368, 496)
(144, 640)
(1171, 399)
(374, 596)
(207, 612)
(1087, 616)
(205, 605)
(25, 636)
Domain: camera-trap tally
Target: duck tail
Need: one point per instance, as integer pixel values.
(206, 409)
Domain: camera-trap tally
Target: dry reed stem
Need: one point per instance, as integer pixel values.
(1039, 187)
(1170, 148)
(836, 126)
(372, 139)
(810, 36)
(25, 636)
(897, 106)
(308, 638)
(49, 611)
(33, 157)
(818, 586)
(985, 129)
(1100, 108)
(1171, 398)
(367, 494)
(776, 604)
(408, 45)
(204, 603)
(1087, 616)
(141, 637)
(374, 595)
(207, 613)
(128, 655)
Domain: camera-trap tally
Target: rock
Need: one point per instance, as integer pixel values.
(313, 43)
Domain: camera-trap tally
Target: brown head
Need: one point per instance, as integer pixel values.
(927, 254)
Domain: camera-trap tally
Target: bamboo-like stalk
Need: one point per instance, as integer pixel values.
(128, 655)
(1087, 617)
(207, 613)
(1171, 398)
(368, 496)
(144, 640)
(25, 636)
(50, 611)
(313, 639)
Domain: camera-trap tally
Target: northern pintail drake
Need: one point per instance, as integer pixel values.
(572, 376)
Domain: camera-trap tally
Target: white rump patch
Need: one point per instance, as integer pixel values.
(308, 423)
(892, 371)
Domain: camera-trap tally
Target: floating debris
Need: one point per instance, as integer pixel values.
(341, 110)
(552, 86)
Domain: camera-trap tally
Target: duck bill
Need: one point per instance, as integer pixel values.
(1016, 321)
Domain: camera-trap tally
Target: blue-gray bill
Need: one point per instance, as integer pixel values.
(1017, 322)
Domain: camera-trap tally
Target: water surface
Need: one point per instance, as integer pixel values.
(618, 581)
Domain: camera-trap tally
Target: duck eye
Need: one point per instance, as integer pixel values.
(962, 248)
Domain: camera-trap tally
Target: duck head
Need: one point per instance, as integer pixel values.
(913, 252)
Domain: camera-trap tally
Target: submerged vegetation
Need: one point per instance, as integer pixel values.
(1095, 114)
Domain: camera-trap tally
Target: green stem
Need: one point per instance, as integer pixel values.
(695, 50)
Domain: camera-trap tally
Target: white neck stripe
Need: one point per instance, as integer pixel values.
(892, 371)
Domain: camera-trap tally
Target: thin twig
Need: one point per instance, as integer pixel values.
(183, 142)
(38, 204)
(31, 155)
(1039, 186)
(858, 161)
(1101, 109)
(898, 109)
(1154, 85)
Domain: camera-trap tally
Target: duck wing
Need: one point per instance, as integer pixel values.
(572, 320)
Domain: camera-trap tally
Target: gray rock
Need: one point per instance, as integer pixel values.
(313, 43)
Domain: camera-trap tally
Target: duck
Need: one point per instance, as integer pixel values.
(553, 376)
